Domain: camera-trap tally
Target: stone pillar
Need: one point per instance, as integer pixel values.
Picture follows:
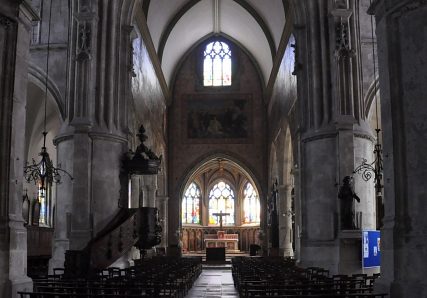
(149, 188)
(93, 137)
(402, 43)
(285, 220)
(332, 114)
(15, 25)
(162, 205)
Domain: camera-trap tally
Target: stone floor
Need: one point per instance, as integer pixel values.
(214, 283)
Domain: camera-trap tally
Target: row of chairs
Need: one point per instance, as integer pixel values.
(280, 277)
(156, 277)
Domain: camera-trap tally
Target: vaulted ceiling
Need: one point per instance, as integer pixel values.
(177, 25)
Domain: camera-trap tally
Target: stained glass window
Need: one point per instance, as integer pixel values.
(191, 205)
(44, 198)
(251, 205)
(221, 198)
(217, 64)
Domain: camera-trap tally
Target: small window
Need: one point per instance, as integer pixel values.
(217, 64)
(191, 205)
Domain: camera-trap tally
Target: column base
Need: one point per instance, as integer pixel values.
(58, 255)
(22, 283)
(324, 254)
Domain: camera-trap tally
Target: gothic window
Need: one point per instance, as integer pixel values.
(221, 198)
(191, 205)
(217, 64)
(251, 205)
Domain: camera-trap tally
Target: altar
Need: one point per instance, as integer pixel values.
(221, 239)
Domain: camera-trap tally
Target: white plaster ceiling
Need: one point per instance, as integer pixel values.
(176, 26)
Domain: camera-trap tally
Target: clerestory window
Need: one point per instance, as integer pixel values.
(217, 64)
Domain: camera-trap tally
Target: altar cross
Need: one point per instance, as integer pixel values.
(220, 215)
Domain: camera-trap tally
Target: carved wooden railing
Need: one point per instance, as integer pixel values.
(114, 241)
(130, 227)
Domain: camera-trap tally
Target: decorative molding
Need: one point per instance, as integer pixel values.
(379, 8)
(107, 136)
(61, 138)
(326, 135)
(43, 47)
(129, 32)
(5, 22)
(85, 6)
(364, 136)
(407, 7)
(29, 12)
(83, 41)
(92, 135)
(342, 35)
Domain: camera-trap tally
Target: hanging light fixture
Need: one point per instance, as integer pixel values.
(375, 168)
(44, 172)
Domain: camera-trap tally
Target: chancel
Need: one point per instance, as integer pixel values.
(289, 130)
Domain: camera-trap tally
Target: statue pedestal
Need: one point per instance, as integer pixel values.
(350, 253)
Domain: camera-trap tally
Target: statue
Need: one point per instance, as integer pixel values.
(273, 216)
(346, 195)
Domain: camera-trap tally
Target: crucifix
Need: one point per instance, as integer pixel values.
(220, 215)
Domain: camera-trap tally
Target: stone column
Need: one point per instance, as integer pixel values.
(285, 220)
(15, 25)
(162, 205)
(332, 113)
(402, 43)
(93, 137)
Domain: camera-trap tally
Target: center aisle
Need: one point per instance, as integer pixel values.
(214, 283)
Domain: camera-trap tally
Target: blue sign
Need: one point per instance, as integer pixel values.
(371, 252)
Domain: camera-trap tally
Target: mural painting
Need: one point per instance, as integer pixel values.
(225, 117)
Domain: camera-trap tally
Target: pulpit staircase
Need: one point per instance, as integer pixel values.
(137, 227)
